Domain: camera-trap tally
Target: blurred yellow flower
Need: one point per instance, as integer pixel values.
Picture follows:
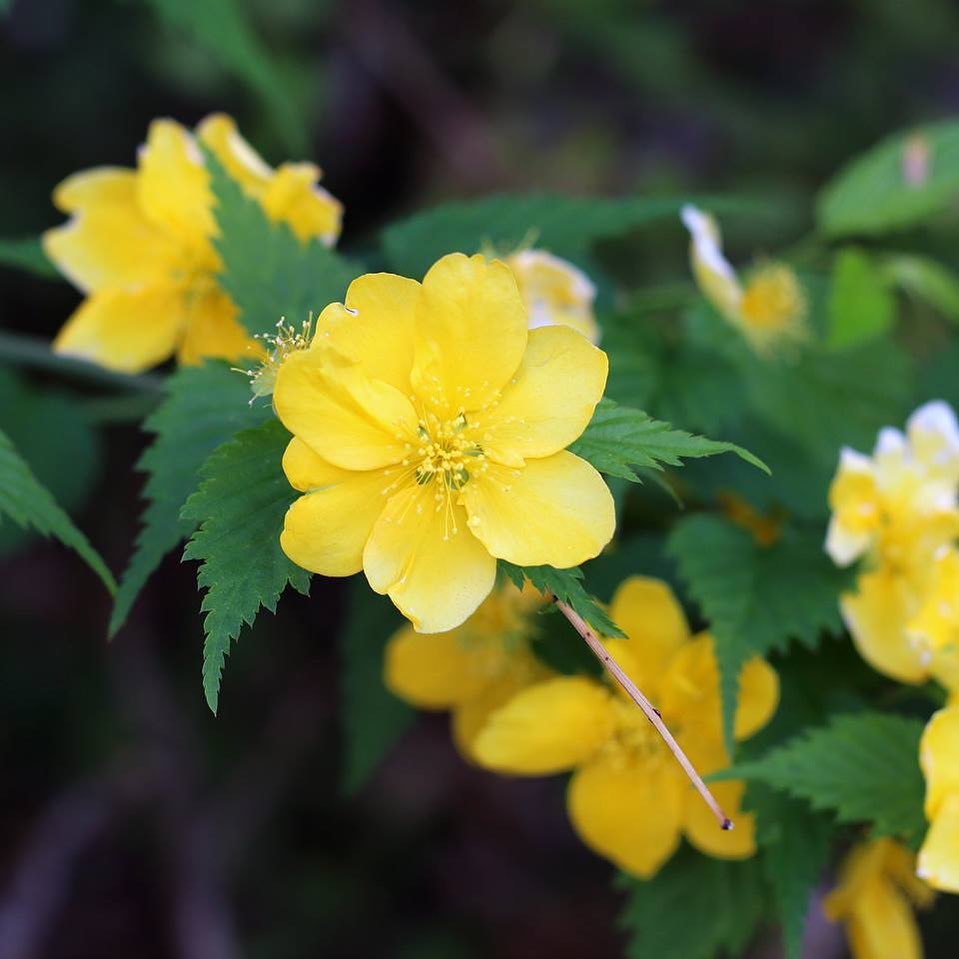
(897, 509)
(939, 757)
(770, 311)
(430, 430)
(139, 245)
(555, 292)
(628, 798)
(470, 670)
(874, 898)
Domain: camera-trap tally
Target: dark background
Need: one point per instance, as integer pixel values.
(132, 822)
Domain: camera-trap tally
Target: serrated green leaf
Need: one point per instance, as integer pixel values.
(695, 907)
(864, 767)
(29, 504)
(204, 406)
(373, 719)
(873, 195)
(861, 307)
(755, 598)
(561, 224)
(926, 280)
(567, 586)
(239, 510)
(620, 439)
(27, 254)
(795, 845)
(268, 273)
(221, 29)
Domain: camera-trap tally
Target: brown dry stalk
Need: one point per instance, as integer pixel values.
(649, 710)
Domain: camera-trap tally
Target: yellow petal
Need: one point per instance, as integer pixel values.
(125, 331)
(547, 728)
(108, 242)
(549, 401)
(471, 333)
(326, 530)
(375, 327)
(292, 197)
(939, 758)
(212, 328)
(703, 831)
(434, 670)
(555, 511)
(173, 185)
(882, 925)
(939, 856)
(345, 417)
(715, 277)
(628, 810)
(219, 132)
(423, 555)
(307, 471)
(876, 617)
(647, 611)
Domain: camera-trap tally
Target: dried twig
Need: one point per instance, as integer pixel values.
(649, 710)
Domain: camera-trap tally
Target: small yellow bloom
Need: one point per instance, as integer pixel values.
(555, 292)
(770, 311)
(875, 897)
(939, 758)
(430, 429)
(470, 670)
(139, 245)
(766, 528)
(628, 798)
(897, 509)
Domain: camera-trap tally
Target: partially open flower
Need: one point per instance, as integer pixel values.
(628, 798)
(430, 428)
(770, 311)
(139, 245)
(875, 897)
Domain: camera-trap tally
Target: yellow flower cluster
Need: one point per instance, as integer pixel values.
(628, 799)
(139, 246)
(897, 510)
(874, 899)
(769, 311)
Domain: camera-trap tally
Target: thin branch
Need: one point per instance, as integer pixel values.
(649, 710)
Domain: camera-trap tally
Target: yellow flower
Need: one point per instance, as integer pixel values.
(555, 292)
(139, 245)
(769, 311)
(472, 669)
(628, 798)
(939, 757)
(766, 528)
(898, 509)
(875, 897)
(430, 430)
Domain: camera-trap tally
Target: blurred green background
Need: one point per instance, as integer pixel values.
(132, 822)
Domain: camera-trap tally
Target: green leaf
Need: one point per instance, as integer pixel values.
(695, 907)
(373, 719)
(222, 30)
(267, 271)
(620, 438)
(864, 767)
(872, 195)
(204, 406)
(29, 504)
(755, 598)
(563, 225)
(567, 586)
(926, 280)
(239, 510)
(795, 844)
(27, 254)
(861, 307)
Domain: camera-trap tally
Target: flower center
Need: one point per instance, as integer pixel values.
(446, 452)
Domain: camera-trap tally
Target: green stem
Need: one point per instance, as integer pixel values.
(31, 351)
